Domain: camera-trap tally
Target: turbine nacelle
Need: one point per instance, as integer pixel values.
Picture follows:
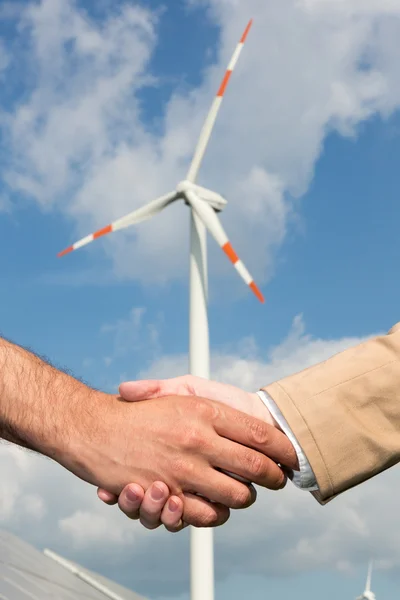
(212, 198)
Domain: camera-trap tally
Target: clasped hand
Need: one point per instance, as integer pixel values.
(248, 448)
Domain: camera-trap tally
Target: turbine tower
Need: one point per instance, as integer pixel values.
(204, 205)
(368, 594)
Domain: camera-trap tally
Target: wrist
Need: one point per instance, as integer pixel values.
(84, 418)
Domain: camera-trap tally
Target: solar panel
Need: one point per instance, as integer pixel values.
(27, 574)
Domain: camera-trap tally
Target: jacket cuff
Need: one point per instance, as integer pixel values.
(305, 439)
(304, 478)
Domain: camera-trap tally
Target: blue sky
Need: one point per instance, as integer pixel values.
(336, 266)
(307, 145)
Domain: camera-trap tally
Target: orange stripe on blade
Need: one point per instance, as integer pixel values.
(224, 84)
(231, 254)
(246, 33)
(256, 291)
(66, 251)
(103, 231)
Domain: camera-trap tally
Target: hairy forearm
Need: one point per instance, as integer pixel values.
(37, 402)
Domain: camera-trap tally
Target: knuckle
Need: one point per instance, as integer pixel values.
(208, 517)
(290, 457)
(193, 438)
(184, 470)
(259, 433)
(257, 464)
(206, 409)
(241, 497)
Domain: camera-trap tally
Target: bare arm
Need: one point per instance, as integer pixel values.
(37, 401)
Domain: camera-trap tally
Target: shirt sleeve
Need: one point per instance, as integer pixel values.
(304, 479)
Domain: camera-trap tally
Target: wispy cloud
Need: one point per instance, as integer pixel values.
(134, 334)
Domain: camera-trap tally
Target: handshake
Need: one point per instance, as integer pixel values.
(185, 451)
(176, 452)
(193, 458)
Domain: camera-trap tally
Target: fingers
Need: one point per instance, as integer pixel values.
(253, 433)
(200, 512)
(220, 488)
(172, 513)
(153, 508)
(130, 500)
(107, 497)
(156, 507)
(136, 504)
(249, 465)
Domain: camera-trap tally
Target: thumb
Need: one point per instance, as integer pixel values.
(134, 391)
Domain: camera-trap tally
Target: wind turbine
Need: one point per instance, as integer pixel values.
(367, 593)
(204, 205)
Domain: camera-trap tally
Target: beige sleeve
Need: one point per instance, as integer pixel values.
(345, 413)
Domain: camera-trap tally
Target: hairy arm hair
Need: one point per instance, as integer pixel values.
(37, 400)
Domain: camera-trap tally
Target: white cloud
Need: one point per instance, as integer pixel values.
(86, 80)
(252, 368)
(281, 534)
(133, 334)
(16, 499)
(78, 140)
(354, 7)
(87, 529)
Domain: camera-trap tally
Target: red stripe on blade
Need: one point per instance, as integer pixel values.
(103, 231)
(246, 33)
(231, 254)
(224, 84)
(257, 292)
(66, 251)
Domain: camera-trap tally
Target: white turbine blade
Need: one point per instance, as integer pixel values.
(211, 221)
(141, 214)
(368, 582)
(217, 201)
(212, 115)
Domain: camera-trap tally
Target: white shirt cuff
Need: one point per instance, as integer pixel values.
(304, 478)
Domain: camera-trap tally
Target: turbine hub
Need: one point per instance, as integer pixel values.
(214, 199)
(184, 186)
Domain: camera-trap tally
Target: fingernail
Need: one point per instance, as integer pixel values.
(173, 505)
(131, 495)
(157, 493)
